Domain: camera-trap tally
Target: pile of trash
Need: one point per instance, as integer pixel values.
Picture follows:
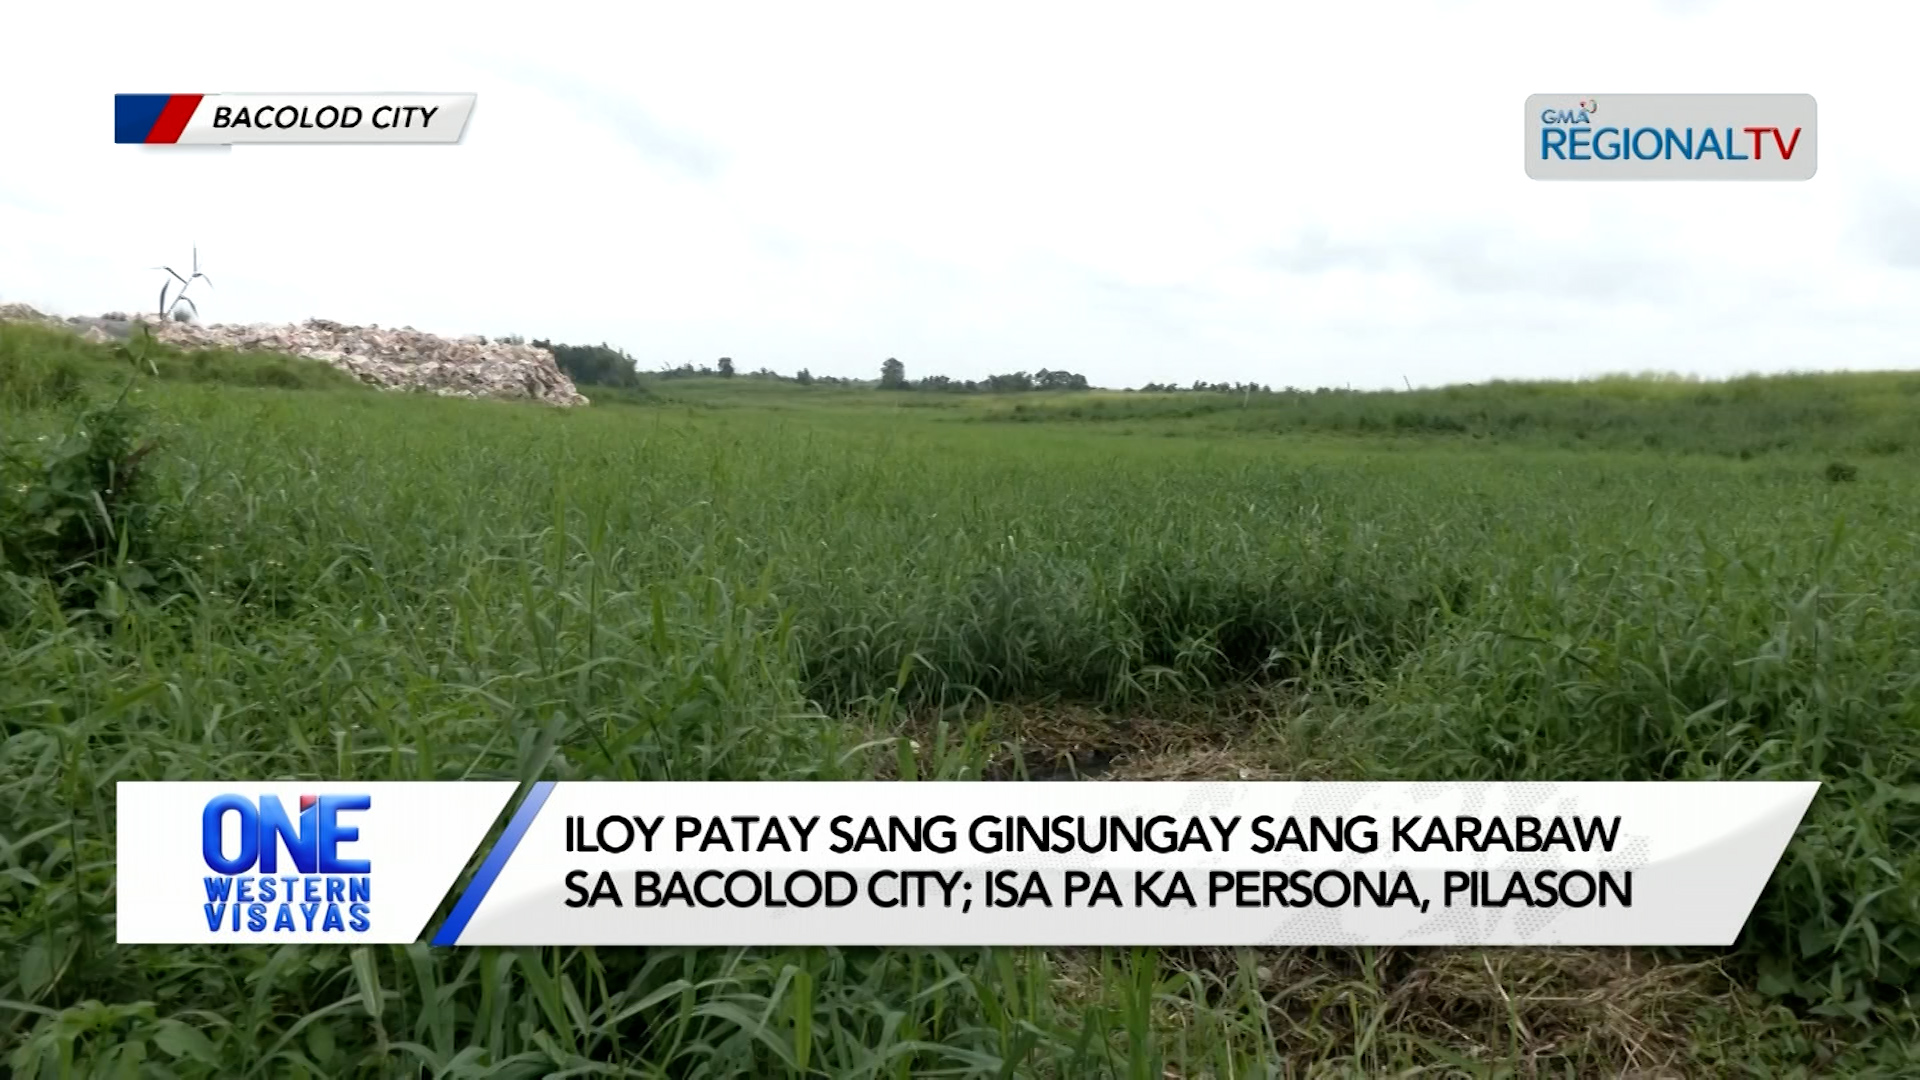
(402, 359)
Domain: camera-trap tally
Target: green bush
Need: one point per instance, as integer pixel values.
(1730, 661)
(77, 509)
(41, 367)
(257, 369)
(50, 367)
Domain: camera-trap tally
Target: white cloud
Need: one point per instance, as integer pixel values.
(1321, 194)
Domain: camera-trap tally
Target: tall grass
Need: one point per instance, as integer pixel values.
(44, 367)
(396, 587)
(1867, 414)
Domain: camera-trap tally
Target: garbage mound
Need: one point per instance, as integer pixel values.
(391, 359)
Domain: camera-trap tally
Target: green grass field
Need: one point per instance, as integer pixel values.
(1630, 579)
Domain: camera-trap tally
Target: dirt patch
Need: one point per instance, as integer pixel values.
(1542, 1012)
(1200, 763)
(1330, 1011)
(1245, 738)
(1075, 743)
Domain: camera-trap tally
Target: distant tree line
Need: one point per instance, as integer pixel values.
(603, 365)
(893, 376)
(1203, 387)
(592, 365)
(1016, 382)
(726, 370)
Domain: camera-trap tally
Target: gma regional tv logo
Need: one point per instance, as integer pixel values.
(1671, 137)
(277, 871)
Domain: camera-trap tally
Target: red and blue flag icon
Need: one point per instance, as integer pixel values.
(152, 118)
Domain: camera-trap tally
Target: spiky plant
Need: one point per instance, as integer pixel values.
(173, 310)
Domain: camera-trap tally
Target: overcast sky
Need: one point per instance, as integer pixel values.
(1305, 194)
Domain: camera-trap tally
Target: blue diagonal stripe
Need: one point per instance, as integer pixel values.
(456, 923)
(135, 114)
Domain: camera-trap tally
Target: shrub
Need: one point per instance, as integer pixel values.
(77, 504)
(39, 367)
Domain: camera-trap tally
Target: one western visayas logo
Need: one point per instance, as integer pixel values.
(286, 872)
(1574, 134)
